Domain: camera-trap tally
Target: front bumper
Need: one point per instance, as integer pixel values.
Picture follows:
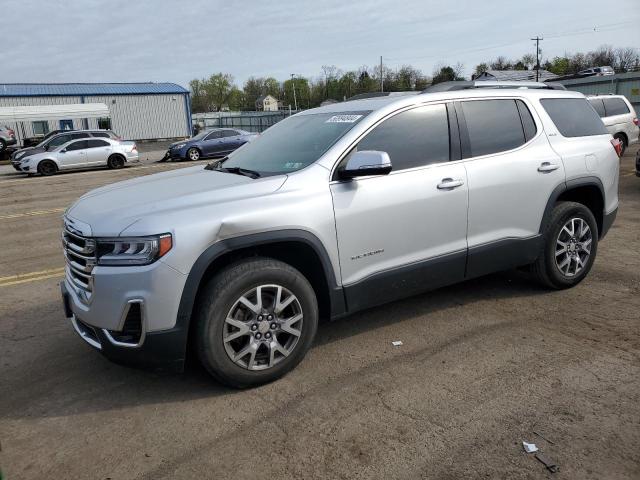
(607, 221)
(100, 319)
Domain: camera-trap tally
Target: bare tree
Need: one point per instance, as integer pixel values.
(626, 59)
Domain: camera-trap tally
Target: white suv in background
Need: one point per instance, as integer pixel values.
(619, 116)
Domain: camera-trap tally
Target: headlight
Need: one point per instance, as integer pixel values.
(179, 146)
(132, 251)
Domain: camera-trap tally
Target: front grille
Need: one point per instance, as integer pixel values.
(80, 253)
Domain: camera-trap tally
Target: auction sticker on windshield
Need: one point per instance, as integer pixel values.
(344, 119)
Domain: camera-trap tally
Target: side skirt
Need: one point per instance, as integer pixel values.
(405, 281)
(502, 255)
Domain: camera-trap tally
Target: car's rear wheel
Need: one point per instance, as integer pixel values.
(623, 142)
(115, 161)
(570, 246)
(256, 321)
(193, 154)
(47, 167)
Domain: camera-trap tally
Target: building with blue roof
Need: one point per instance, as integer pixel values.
(137, 111)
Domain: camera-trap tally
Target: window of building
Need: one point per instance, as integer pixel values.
(413, 138)
(574, 117)
(104, 123)
(40, 127)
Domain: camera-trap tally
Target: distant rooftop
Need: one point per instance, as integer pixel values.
(88, 89)
(517, 75)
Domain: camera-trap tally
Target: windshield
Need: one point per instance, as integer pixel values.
(201, 135)
(294, 143)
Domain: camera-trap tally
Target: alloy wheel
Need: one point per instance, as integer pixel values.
(573, 247)
(263, 327)
(194, 154)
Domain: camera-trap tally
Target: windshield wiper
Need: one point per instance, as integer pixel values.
(217, 167)
(240, 171)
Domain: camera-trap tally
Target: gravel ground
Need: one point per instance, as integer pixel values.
(483, 364)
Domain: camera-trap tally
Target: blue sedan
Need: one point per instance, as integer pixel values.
(217, 142)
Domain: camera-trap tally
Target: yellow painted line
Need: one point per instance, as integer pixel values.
(32, 214)
(31, 277)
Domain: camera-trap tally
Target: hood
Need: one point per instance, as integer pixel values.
(111, 209)
(187, 141)
(26, 152)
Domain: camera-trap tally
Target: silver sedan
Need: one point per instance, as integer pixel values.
(84, 153)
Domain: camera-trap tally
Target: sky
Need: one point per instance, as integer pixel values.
(48, 41)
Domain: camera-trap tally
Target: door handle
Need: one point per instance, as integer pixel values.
(548, 167)
(449, 183)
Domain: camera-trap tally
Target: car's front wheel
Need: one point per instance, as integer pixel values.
(47, 167)
(570, 246)
(256, 321)
(193, 154)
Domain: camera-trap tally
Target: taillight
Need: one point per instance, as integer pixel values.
(617, 146)
(635, 120)
(134, 148)
(13, 134)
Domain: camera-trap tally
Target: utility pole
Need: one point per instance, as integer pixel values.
(537, 39)
(293, 82)
(381, 79)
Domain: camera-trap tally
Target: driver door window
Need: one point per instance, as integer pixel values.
(401, 233)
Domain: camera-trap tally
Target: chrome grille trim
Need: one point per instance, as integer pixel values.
(80, 254)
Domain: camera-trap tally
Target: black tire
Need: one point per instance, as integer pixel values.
(545, 269)
(221, 295)
(623, 140)
(3, 145)
(115, 162)
(193, 154)
(47, 167)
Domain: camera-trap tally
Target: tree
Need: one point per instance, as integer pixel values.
(447, 74)
(480, 69)
(626, 59)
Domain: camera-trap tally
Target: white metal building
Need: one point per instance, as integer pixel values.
(137, 111)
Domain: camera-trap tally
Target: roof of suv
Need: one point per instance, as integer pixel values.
(378, 103)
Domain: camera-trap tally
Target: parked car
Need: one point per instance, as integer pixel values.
(217, 142)
(598, 71)
(335, 210)
(33, 141)
(7, 137)
(78, 153)
(53, 141)
(619, 116)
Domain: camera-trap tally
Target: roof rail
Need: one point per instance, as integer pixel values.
(468, 85)
(362, 96)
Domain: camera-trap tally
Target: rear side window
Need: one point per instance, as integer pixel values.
(615, 106)
(574, 117)
(493, 125)
(101, 134)
(528, 124)
(97, 143)
(79, 145)
(598, 105)
(413, 138)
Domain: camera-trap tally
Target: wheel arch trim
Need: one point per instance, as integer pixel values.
(218, 249)
(586, 181)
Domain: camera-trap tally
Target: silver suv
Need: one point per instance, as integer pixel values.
(335, 210)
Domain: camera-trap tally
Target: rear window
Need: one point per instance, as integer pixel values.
(574, 117)
(615, 106)
(493, 125)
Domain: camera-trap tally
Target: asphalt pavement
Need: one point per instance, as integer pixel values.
(482, 366)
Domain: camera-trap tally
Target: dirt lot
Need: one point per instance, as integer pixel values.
(483, 365)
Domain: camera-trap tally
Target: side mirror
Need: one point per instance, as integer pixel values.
(64, 150)
(366, 162)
